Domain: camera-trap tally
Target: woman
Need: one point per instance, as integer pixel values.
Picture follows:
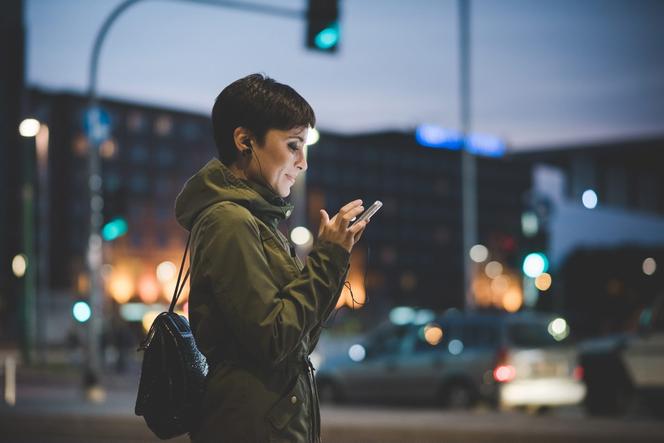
(255, 309)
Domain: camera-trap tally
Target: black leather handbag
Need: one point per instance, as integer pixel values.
(173, 373)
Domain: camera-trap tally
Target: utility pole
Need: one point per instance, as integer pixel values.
(43, 298)
(468, 163)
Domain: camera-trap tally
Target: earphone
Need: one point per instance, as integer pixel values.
(247, 152)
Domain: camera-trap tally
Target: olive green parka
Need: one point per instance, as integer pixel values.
(256, 310)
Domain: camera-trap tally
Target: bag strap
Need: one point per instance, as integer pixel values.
(178, 286)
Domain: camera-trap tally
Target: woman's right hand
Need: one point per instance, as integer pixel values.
(336, 229)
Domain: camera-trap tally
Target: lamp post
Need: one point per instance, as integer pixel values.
(43, 241)
(28, 129)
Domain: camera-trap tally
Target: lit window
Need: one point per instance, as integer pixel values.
(135, 121)
(163, 125)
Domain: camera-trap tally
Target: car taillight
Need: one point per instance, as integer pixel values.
(504, 373)
(578, 373)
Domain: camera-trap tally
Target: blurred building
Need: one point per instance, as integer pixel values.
(604, 219)
(411, 254)
(150, 153)
(12, 150)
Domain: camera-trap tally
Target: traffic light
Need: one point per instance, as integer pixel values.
(114, 229)
(535, 264)
(323, 25)
(114, 210)
(81, 311)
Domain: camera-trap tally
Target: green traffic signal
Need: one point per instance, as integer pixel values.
(81, 311)
(535, 264)
(114, 229)
(328, 37)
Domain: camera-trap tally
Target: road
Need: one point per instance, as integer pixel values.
(346, 425)
(52, 409)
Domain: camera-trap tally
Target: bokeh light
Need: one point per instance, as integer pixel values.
(649, 266)
(121, 287)
(81, 311)
(312, 137)
(479, 253)
(29, 127)
(455, 347)
(402, 315)
(529, 224)
(543, 281)
(107, 149)
(301, 236)
(512, 300)
(534, 264)
(558, 328)
(504, 373)
(433, 334)
(500, 284)
(166, 271)
(148, 289)
(19, 265)
(357, 352)
(589, 199)
(493, 269)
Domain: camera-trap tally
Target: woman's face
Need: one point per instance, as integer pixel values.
(280, 159)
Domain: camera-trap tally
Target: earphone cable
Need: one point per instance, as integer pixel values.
(347, 285)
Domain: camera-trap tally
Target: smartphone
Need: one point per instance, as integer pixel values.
(369, 212)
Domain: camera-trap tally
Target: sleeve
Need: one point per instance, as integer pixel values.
(315, 333)
(269, 321)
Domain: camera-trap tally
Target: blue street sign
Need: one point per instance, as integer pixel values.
(433, 136)
(97, 124)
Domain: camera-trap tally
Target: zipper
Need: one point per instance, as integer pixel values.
(315, 411)
(287, 247)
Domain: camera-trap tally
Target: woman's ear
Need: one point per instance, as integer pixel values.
(243, 139)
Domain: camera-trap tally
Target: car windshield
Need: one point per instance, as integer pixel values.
(531, 335)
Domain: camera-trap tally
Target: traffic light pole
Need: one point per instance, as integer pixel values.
(468, 162)
(95, 243)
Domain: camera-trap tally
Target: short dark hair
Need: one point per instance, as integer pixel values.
(257, 103)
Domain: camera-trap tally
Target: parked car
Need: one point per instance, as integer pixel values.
(626, 371)
(458, 359)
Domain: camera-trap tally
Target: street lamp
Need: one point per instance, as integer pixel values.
(29, 127)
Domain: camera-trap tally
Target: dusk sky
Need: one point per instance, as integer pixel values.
(545, 73)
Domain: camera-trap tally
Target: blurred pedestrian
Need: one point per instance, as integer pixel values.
(74, 346)
(124, 342)
(256, 310)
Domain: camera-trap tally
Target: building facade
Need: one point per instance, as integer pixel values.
(411, 254)
(605, 230)
(13, 149)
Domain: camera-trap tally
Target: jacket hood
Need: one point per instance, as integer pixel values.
(215, 183)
